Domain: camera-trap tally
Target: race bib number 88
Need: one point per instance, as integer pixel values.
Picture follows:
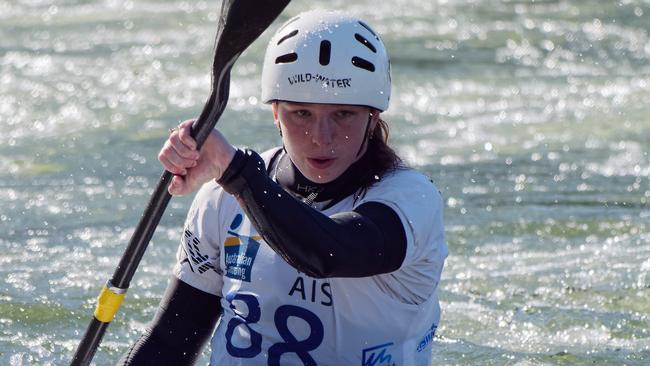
(247, 312)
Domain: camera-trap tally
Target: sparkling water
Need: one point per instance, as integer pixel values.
(531, 116)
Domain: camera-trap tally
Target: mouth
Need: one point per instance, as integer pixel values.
(320, 163)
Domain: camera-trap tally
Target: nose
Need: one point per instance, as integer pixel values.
(322, 133)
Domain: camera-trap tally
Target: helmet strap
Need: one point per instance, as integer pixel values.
(365, 134)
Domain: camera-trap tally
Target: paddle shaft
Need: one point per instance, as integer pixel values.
(241, 22)
(146, 227)
(160, 198)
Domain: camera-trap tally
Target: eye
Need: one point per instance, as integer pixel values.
(301, 113)
(344, 113)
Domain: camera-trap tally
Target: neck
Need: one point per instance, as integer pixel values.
(291, 179)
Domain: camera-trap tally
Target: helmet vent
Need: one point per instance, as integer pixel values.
(369, 29)
(292, 34)
(286, 58)
(363, 64)
(365, 42)
(325, 52)
(293, 20)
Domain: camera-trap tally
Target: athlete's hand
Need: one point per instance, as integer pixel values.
(192, 168)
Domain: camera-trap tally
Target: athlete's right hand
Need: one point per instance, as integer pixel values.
(192, 168)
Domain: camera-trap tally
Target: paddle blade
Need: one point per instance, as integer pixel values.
(242, 21)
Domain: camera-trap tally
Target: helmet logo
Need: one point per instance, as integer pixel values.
(319, 79)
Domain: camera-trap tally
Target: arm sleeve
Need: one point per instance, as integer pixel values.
(181, 327)
(367, 241)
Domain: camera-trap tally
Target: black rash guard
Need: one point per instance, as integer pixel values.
(182, 325)
(367, 241)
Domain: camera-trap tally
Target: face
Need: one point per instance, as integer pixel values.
(323, 140)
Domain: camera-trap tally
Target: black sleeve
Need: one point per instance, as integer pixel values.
(367, 241)
(183, 323)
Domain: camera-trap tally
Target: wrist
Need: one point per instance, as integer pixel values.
(232, 170)
(245, 165)
(222, 161)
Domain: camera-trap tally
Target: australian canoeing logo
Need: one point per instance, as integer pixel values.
(240, 251)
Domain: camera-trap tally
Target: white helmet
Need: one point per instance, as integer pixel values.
(327, 57)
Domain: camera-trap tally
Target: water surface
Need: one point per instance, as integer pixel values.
(532, 117)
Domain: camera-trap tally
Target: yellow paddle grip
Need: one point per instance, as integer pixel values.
(107, 304)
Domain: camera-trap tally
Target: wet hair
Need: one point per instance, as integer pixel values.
(380, 158)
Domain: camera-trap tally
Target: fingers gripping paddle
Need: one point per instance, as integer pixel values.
(240, 23)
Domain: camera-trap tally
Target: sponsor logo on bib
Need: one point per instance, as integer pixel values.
(195, 259)
(378, 356)
(428, 338)
(240, 251)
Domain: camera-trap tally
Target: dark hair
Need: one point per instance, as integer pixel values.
(380, 158)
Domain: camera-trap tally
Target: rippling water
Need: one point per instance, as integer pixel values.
(533, 118)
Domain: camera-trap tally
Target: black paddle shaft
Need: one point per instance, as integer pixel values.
(240, 23)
